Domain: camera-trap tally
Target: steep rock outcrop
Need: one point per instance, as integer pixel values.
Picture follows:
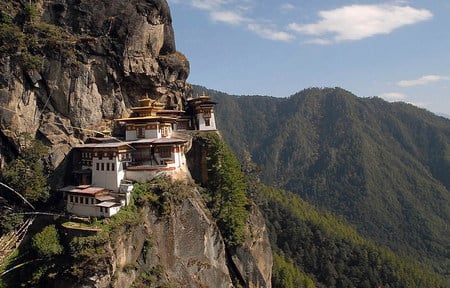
(113, 53)
(253, 259)
(183, 248)
(189, 245)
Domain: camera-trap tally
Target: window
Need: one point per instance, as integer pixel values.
(165, 131)
(81, 200)
(107, 166)
(76, 199)
(71, 198)
(140, 132)
(165, 152)
(207, 122)
(92, 201)
(103, 166)
(97, 167)
(112, 167)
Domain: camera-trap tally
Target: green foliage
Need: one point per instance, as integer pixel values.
(28, 14)
(330, 251)
(383, 166)
(11, 38)
(5, 18)
(287, 275)
(150, 277)
(46, 243)
(91, 253)
(226, 189)
(27, 173)
(30, 40)
(161, 193)
(9, 221)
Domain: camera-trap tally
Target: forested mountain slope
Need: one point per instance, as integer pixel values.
(384, 166)
(316, 249)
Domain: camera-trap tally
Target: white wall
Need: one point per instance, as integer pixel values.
(109, 179)
(141, 176)
(153, 133)
(108, 212)
(81, 209)
(201, 122)
(130, 135)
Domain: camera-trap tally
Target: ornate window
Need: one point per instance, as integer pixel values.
(206, 113)
(165, 152)
(140, 132)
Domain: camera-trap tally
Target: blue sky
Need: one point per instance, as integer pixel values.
(396, 49)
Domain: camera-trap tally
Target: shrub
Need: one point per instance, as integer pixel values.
(46, 243)
(11, 38)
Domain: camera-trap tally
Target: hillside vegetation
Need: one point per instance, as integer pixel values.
(316, 249)
(384, 166)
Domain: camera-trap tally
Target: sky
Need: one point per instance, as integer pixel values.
(398, 50)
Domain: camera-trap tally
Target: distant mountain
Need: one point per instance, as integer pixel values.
(384, 166)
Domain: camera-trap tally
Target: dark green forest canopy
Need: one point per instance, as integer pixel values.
(311, 246)
(384, 166)
(225, 188)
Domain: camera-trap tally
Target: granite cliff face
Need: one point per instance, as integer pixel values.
(100, 58)
(182, 248)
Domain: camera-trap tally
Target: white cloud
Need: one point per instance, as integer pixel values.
(208, 4)
(420, 104)
(235, 12)
(393, 96)
(269, 33)
(424, 80)
(356, 22)
(228, 17)
(286, 7)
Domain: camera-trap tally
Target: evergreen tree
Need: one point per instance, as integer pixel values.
(27, 174)
(227, 190)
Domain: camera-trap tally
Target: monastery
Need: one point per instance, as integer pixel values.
(106, 168)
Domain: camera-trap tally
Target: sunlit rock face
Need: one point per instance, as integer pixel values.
(114, 53)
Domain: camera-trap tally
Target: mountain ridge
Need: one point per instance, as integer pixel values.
(384, 166)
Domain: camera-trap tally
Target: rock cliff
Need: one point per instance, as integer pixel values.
(80, 64)
(181, 248)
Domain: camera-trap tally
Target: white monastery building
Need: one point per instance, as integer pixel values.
(105, 168)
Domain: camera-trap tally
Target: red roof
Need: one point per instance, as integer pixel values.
(82, 189)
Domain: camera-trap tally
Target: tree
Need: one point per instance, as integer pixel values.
(27, 173)
(286, 274)
(9, 220)
(46, 243)
(227, 190)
